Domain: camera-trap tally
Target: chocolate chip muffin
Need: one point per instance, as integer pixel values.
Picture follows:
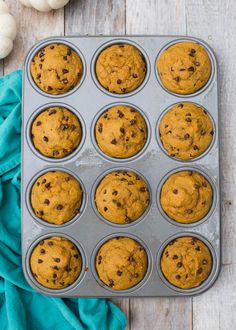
(184, 67)
(121, 132)
(56, 197)
(186, 131)
(56, 132)
(56, 263)
(122, 197)
(186, 196)
(56, 69)
(121, 263)
(120, 68)
(186, 262)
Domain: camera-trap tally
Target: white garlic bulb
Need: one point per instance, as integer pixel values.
(45, 5)
(7, 30)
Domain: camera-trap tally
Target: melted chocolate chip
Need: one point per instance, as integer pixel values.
(39, 123)
(46, 201)
(59, 207)
(40, 261)
(57, 260)
(45, 138)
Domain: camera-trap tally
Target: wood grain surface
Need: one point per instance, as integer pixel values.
(215, 22)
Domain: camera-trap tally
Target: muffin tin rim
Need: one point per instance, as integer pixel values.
(157, 133)
(41, 109)
(45, 223)
(45, 290)
(116, 41)
(93, 138)
(93, 192)
(214, 199)
(211, 57)
(135, 238)
(46, 42)
(209, 281)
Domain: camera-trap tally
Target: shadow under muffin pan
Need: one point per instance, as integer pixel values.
(87, 163)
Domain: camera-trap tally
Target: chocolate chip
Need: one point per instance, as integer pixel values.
(105, 116)
(99, 257)
(177, 79)
(69, 51)
(46, 201)
(50, 243)
(59, 207)
(191, 68)
(105, 208)
(38, 76)
(120, 114)
(196, 186)
(41, 243)
(48, 185)
(179, 264)
(42, 251)
(65, 81)
(52, 47)
(195, 147)
(175, 257)
(119, 273)
(38, 123)
(188, 120)
(57, 260)
(52, 112)
(132, 110)
(199, 271)
(204, 261)
(65, 71)
(136, 275)
(55, 153)
(204, 184)
(193, 51)
(198, 248)
(50, 88)
(45, 138)
(56, 268)
(131, 259)
(142, 189)
(76, 256)
(197, 63)
(182, 69)
(114, 192)
(63, 127)
(113, 141)
(130, 183)
(132, 121)
(122, 130)
(203, 132)
(186, 136)
(118, 204)
(178, 277)
(133, 134)
(123, 90)
(41, 213)
(100, 128)
(180, 105)
(111, 283)
(212, 133)
(189, 211)
(68, 269)
(135, 75)
(40, 66)
(175, 191)
(54, 275)
(65, 58)
(40, 261)
(66, 118)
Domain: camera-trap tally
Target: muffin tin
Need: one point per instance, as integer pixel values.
(87, 163)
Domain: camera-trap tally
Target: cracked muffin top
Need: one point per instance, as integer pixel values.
(56, 69)
(120, 68)
(121, 132)
(56, 197)
(56, 263)
(56, 132)
(186, 262)
(121, 263)
(186, 131)
(184, 67)
(122, 197)
(186, 196)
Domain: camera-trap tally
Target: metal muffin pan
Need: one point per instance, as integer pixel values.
(89, 230)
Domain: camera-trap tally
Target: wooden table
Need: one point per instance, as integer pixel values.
(215, 22)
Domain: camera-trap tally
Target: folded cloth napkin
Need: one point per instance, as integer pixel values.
(20, 306)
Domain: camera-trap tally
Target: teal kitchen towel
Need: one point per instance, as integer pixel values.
(21, 308)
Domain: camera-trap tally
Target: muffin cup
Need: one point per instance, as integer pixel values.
(204, 285)
(55, 292)
(44, 222)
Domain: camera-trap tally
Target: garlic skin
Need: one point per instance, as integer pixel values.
(45, 5)
(8, 30)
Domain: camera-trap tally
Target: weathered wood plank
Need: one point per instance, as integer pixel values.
(158, 17)
(214, 22)
(32, 26)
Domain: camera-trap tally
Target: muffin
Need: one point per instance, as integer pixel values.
(56, 263)
(122, 197)
(56, 132)
(186, 262)
(186, 197)
(120, 68)
(121, 263)
(186, 131)
(56, 69)
(121, 132)
(56, 197)
(184, 68)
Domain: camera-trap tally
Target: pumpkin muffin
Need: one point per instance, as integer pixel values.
(186, 262)
(56, 69)
(122, 197)
(186, 196)
(56, 197)
(121, 132)
(184, 68)
(120, 68)
(121, 263)
(56, 263)
(186, 131)
(56, 132)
